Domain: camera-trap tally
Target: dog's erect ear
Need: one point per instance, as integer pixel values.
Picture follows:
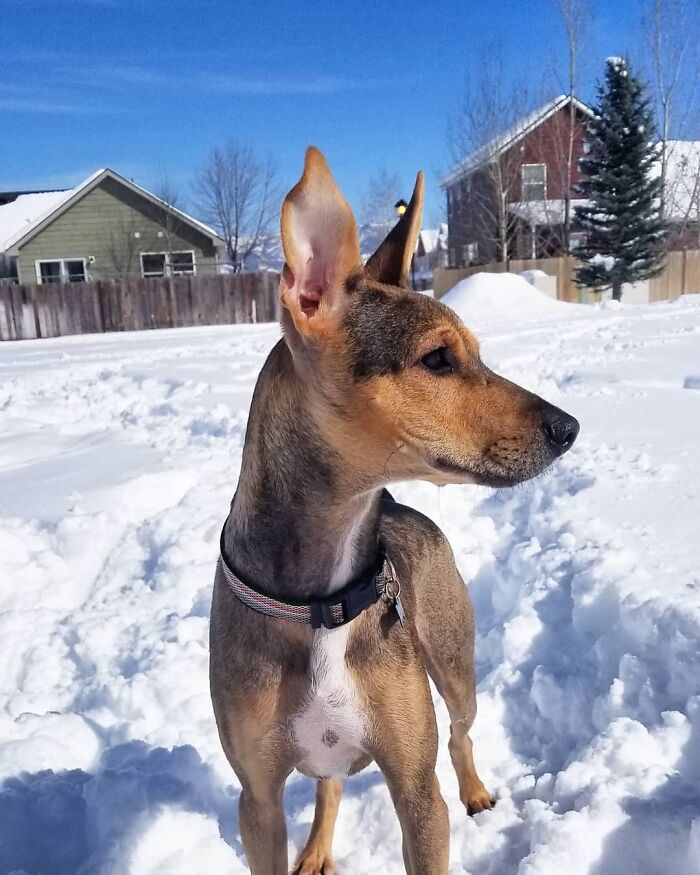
(391, 262)
(321, 249)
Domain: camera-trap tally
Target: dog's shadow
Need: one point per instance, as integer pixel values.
(75, 823)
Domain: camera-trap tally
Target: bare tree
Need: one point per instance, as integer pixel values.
(237, 194)
(123, 245)
(382, 193)
(672, 32)
(165, 212)
(576, 17)
(491, 110)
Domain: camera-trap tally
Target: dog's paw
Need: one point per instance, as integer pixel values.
(479, 800)
(314, 861)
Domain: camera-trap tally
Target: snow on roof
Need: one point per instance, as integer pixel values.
(27, 213)
(509, 137)
(20, 214)
(549, 212)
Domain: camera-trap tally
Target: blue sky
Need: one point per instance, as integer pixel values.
(149, 88)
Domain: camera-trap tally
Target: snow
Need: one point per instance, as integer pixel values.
(20, 214)
(120, 455)
(493, 296)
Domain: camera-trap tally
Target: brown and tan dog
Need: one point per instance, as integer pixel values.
(371, 384)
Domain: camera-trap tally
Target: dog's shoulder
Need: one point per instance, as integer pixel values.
(410, 534)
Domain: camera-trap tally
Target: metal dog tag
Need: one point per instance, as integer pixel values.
(393, 590)
(398, 604)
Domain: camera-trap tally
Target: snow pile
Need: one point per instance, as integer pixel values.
(489, 297)
(120, 455)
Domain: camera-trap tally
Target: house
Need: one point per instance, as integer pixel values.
(682, 193)
(431, 253)
(107, 227)
(509, 197)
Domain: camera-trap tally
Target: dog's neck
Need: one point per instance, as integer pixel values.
(298, 526)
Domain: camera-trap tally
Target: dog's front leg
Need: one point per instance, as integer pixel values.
(406, 752)
(263, 827)
(425, 827)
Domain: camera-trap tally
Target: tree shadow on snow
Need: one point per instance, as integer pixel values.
(77, 823)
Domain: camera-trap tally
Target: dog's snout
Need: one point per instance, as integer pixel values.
(560, 429)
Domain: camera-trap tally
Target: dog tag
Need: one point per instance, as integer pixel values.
(398, 604)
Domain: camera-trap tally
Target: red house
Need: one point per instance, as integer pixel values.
(509, 198)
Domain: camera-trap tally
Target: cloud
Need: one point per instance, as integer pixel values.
(312, 84)
(47, 106)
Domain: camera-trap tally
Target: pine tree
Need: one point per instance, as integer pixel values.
(622, 220)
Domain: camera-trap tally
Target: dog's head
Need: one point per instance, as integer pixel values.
(395, 380)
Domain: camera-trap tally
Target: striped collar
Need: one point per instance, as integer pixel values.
(331, 611)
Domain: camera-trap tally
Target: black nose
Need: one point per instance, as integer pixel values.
(560, 429)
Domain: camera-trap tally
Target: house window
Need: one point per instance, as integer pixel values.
(534, 182)
(182, 263)
(158, 264)
(577, 239)
(470, 253)
(61, 270)
(467, 188)
(449, 203)
(452, 258)
(50, 272)
(152, 264)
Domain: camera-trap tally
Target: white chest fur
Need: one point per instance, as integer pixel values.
(330, 729)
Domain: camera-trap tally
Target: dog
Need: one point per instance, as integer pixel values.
(333, 603)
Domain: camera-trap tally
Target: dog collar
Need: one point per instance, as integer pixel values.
(331, 611)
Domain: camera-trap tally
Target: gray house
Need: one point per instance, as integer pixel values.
(107, 227)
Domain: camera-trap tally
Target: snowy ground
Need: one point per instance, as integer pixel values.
(119, 455)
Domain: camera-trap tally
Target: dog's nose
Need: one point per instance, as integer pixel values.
(560, 429)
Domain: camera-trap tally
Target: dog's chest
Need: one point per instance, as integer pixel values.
(329, 730)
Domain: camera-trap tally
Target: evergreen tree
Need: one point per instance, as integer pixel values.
(625, 231)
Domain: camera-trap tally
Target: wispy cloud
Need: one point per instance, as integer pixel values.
(252, 85)
(47, 106)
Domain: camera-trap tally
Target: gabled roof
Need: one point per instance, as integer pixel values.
(31, 213)
(484, 154)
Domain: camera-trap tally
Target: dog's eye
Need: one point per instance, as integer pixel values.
(438, 361)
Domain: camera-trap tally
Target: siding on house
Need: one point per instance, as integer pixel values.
(102, 226)
(473, 197)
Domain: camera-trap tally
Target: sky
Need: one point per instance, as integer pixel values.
(150, 88)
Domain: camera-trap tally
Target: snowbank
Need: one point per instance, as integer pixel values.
(489, 297)
(120, 454)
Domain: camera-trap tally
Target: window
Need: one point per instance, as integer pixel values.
(576, 239)
(182, 263)
(470, 253)
(157, 264)
(452, 258)
(75, 270)
(534, 182)
(50, 272)
(467, 188)
(61, 270)
(449, 203)
(152, 264)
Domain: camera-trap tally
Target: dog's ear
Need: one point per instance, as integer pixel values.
(391, 262)
(321, 249)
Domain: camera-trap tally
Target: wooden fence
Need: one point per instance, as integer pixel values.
(680, 275)
(56, 309)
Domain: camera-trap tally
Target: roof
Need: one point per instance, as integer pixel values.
(21, 213)
(432, 238)
(23, 218)
(549, 212)
(511, 136)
